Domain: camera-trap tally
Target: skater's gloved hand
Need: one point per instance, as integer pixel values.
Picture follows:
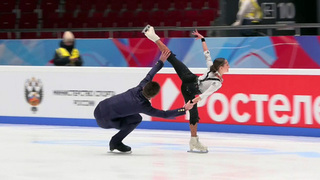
(196, 100)
(164, 55)
(188, 106)
(196, 33)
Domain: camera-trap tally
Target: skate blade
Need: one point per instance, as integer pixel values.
(145, 29)
(119, 152)
(199, 152)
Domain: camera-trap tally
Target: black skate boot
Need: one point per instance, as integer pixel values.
(122, 148)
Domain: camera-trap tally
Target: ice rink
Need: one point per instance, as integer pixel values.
(79, 153)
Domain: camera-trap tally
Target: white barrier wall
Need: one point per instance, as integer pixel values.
(259, 97)
(63, 92)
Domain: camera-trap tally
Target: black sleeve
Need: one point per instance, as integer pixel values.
(60, 61)
(151, 111)
(151, 73)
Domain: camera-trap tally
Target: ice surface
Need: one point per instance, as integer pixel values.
(78, 153)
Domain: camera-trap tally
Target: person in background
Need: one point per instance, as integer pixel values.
(249, 13)
(67, 54)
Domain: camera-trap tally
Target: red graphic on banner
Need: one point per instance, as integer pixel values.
(290, 54)
(138, 52)
(178, 102)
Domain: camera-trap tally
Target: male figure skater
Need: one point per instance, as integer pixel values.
(122, 111)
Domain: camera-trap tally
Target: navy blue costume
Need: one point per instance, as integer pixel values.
(122, 111)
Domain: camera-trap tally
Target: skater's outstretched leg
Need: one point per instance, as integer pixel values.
(150, 34)
(181, 69)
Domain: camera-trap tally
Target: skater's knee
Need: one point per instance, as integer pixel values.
(97, 113)
(134, 119)
(102, 124)
(137, 119)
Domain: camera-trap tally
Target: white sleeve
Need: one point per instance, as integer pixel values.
(208, 58)
(213, 88)
(242, 10)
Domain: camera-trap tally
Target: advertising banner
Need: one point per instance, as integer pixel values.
(251, 99)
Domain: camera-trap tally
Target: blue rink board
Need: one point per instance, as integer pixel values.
(270, 130)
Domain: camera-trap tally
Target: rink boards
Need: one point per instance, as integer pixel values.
(262, 101)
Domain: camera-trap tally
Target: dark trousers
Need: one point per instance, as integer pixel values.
(188, 87)
(125, 124)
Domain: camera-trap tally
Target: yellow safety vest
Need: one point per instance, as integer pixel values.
(255, 11)
(62, 52)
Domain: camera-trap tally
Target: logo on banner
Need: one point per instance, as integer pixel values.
(33, 92)
(170, 93)
(169, 97)
(82, 94)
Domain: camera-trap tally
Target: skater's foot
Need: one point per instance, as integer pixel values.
(197, 146)
(150, 33)
(120, 147)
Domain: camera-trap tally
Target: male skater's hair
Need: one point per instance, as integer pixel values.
(151, 89)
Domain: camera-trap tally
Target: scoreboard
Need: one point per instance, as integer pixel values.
(289, 11)
(274, 11)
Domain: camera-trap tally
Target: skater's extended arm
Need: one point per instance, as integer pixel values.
(164, 114)
(151, 73)
(215, 86)
(164, 56)
(151, 111)
(199, 36)
(205, 48)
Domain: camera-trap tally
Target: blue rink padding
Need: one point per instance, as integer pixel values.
(269, 130)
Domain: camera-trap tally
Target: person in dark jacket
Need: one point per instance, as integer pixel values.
(122, 111)
(67, 54)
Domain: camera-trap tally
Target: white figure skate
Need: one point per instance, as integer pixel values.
(150, 33)
(196, 146)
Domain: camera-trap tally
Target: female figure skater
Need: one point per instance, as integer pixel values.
(192, 85)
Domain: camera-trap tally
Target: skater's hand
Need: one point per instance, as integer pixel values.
(188, 106)
(196, 33)
(164, 55)
(196, 100)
